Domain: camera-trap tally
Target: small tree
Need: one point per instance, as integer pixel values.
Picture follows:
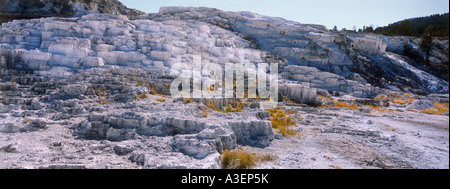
(405, 28)
(427, 41)
(368, 29)
(335, 28)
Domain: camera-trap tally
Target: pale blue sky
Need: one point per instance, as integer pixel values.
(342, 13)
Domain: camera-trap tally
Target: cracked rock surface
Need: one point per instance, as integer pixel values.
(92, 91)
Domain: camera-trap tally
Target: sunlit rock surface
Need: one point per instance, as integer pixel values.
(92, 91)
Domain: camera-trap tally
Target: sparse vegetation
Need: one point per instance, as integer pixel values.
(153, 90)
(335, 167)
(14, 79)
(119, 100)
(282, 122)
(377, 108)
(325, 98)
(102, 95)
(238, 159)
(99, 92)
(257, 97)
(406, 98)
(346, 105)
(439, 109)
(212, 104)
(26, 120)
(442, 107)
(401, 101)
(340, 104)
(141, 96)
(389, 128)
(234, 106)
(229, 109)
(161, 100)
(205, 112)
(188, 100)
(103, 100)
(140, 82)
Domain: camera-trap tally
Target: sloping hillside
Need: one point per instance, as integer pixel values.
(440, 22)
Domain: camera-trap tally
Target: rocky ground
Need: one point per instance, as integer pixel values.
(337, 138)
(328, 138)
(92, 91)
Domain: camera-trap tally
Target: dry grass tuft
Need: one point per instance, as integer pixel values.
(257, 97)
(103, 100)
(153, 90)
(161, 100)
(26, 120)
(188, 100)
(389, 128)
(339, 104)
(346, 105)
(406, 98)
(234, 105)
(13, 78)
(141, 96)
(287, 99)
(440, 108)
(212, 104)
(230, 109)
(325, 98)
(100, 92)
(238, 159)
(377, 108)
(335, 167)
(205, 112)
(401, 101)
(102, 96)
(282, 122)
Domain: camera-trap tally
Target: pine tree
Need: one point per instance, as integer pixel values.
(427, 41)
(368, 29)
(405, 28)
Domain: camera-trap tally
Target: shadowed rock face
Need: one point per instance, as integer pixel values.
(30, 4)
(37, 8)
